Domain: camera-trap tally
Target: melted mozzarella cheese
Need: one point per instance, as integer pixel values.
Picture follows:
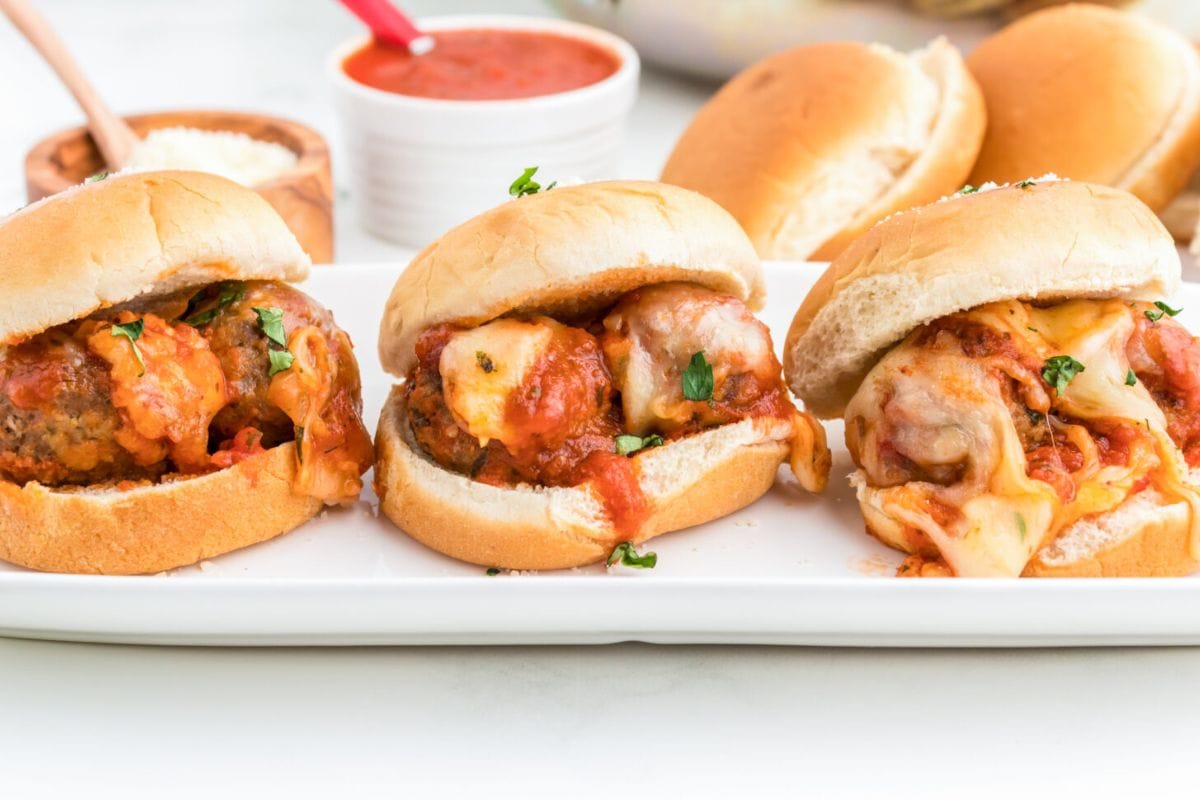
(1095, 334)
(482, 366)
(945, 396)
(654, 334)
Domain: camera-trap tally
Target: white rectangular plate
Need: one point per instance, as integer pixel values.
(790, 569)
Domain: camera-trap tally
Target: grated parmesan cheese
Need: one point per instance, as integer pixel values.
(236, 156)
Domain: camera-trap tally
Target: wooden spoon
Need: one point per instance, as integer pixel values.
(113, 137)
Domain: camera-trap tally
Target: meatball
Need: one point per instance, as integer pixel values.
(653, 333)
(57, 419)
(432, 424)
(225, 313)
(511, 401)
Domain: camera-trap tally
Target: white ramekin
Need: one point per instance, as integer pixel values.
(420, 166)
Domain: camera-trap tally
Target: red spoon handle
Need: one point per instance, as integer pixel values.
(385, 21)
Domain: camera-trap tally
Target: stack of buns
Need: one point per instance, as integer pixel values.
(809, 148)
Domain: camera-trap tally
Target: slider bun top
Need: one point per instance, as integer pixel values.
(565, 252)
(1094, 94)
(107, 242)
(810, 147)
(1047, 242)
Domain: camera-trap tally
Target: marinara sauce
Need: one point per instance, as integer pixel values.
(484, 64)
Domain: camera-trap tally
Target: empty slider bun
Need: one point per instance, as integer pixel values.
(551, 265)
(1093, 94)
(809, 148)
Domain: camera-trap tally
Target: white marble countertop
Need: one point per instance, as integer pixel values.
(98, 721)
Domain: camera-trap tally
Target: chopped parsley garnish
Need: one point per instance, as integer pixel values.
(270, 320)
(484, 361)
(99, 176)
(230, 292)
(280, 360)
(629, 557)
(628, 443)
(132, 331)
(1025, 184)
(1163, 308)
(1058, 371)
(968, 189)
(1035, 417)
(493, 571)
(698, 378)
(525, 184)
(1130, 378)
(1020, 525)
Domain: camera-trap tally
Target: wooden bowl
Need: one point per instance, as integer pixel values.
(303, 196)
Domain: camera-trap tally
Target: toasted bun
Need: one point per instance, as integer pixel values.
(809, 148)
(151, 528)
(687, 482)
(1093, 94)
(1049, 241)
(568, 251)
(107, 242)
(1140, 538)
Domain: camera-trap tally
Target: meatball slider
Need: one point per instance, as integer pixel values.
(1027, 406)
(582, 370)
(164, 396)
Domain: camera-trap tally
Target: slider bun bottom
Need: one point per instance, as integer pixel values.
(1138, 540)
(687, 482)
(1141, 538)
(152, 528)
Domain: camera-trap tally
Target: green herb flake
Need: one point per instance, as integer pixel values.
(1020, 525)
(270, 320)
(1130, 378)
(491, 571)
(300, 443)
(281, 360)
(698, 378)
(968, 189)
(99, 176)
(1035, 417)
(132, 331)
(1162, 308)
(628, 556)
(484, 361)
(526, 185)
(230, 292)
(628, 443)
(1025, 184)
(1058, 371)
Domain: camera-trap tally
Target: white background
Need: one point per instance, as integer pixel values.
(98, 721)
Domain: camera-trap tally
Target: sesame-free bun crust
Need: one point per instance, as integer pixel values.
(568, 251)
(1141, 538)
(810, 147)
(1046, 242)
(110, 241)
(1094, 94)
(687, 482)
(150, 528)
